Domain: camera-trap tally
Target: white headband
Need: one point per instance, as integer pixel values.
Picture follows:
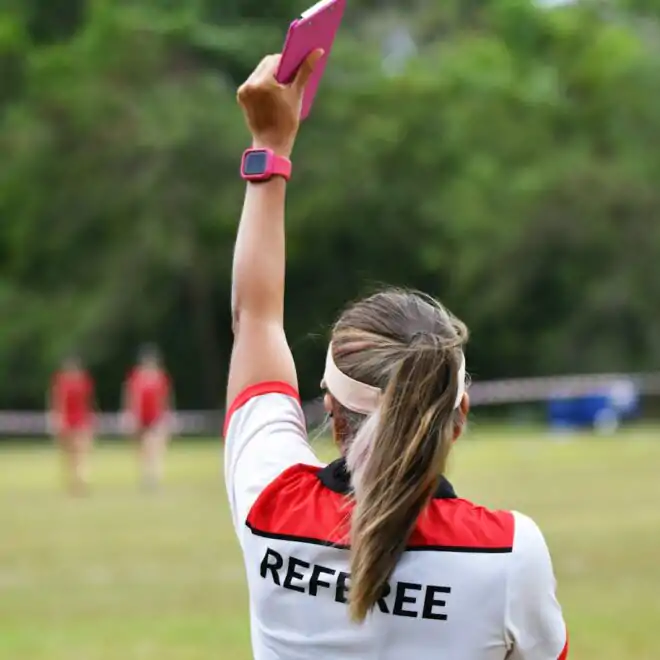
(362, 398)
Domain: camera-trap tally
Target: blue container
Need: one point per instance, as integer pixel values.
(603, 409)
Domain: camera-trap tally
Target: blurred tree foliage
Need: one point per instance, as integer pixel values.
(509, 166)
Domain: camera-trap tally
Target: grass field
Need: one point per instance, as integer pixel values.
(127, 576)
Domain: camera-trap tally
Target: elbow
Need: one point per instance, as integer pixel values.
(236, 306)
(255, 309)
(235, 310)
(235, 319)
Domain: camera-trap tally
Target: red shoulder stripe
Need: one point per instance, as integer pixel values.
(297, 506)
(462, 525)
(259, 389)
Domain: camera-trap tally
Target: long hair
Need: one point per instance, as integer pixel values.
(410, 346)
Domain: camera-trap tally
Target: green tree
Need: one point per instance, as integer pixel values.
(505, 167)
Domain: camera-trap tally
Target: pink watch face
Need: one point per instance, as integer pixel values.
(256, 163)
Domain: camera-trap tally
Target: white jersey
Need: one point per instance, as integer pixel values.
(473, 584)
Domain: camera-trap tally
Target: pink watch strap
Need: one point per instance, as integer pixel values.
(281, 166)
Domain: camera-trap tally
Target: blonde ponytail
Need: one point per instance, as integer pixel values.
(405, 450)
(409, 347)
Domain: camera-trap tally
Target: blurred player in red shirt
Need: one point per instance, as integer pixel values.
(148, 413)
(71, 420)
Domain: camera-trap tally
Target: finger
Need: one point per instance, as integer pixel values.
(244, 92)
(257, 78)
(258, 74)
(267, 67)
(264, 74)
(307, 68)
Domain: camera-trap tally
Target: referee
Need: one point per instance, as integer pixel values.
(374, 555)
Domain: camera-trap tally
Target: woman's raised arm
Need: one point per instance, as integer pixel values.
(260, 352)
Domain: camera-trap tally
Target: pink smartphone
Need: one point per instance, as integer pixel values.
(316, 28)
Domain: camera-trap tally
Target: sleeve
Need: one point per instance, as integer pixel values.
(265, 434)
(535, 625)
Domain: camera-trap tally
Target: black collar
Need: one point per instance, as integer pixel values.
(335, 477)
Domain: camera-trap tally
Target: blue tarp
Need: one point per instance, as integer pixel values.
(611, 404)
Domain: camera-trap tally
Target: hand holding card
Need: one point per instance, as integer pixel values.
(272, 110)
(315, 29)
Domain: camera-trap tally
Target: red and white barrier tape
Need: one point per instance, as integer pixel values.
(482, 393)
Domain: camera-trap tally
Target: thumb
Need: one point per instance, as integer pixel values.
(307, 68)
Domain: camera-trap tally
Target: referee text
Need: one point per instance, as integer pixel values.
(407, 599)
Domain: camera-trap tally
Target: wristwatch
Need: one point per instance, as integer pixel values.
(263, 165)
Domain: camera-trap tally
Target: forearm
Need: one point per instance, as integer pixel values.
(261, 353)
(259, 254)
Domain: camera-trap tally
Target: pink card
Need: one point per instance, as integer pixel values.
(316, 28)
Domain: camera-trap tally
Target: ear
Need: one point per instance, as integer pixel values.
(340, 430)
(327, 404)
(465, 404)
(464, 407)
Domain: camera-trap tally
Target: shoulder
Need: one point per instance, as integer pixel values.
(461, 525)
(265, 436)
(297, 506)
(531, 574)
(528, 533)
(261, 403)
(534, 620)
(530, 547)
